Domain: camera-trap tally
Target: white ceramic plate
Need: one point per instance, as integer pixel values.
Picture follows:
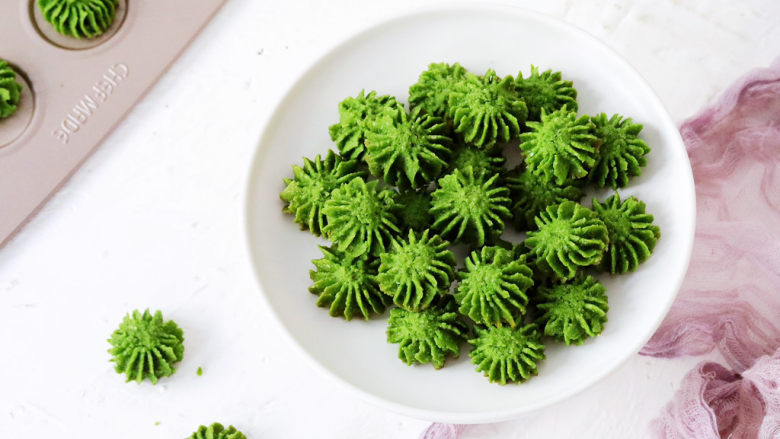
(388, 58)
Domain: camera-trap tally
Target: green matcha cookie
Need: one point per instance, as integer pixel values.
(347, 284)
(408, 150)
(470, 206)
(560, 147)
(632, 234)
(486, 109)
(414, 209)
(432, 91)
(79, 18)
(545, 91)
(493, 286)
(307, 192)
(574, 311)
(621, 153)
(570, 236)
(531, 193)
(542, 274)
(487, 160)
(427, 336)
(415, 271)
(145, 346)
(505, 354)
(217, 431)
(10, 90)
(356, 116)
(360, 216)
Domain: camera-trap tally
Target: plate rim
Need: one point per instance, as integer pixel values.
(377, 25)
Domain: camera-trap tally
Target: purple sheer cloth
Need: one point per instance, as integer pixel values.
(730, 299)
(443, 431)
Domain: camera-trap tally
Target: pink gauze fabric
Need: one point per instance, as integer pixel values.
(730, 299)
(714, 402)
(443, 431)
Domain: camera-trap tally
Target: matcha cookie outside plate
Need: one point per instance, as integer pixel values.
(10, 90)
(146, 347)
(217, 431)
(79, 18)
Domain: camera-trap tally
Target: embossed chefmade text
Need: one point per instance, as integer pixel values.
(90, 102)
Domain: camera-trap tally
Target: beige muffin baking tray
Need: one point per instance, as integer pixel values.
(76, 91)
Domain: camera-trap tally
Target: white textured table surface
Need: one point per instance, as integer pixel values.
(154, 219)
